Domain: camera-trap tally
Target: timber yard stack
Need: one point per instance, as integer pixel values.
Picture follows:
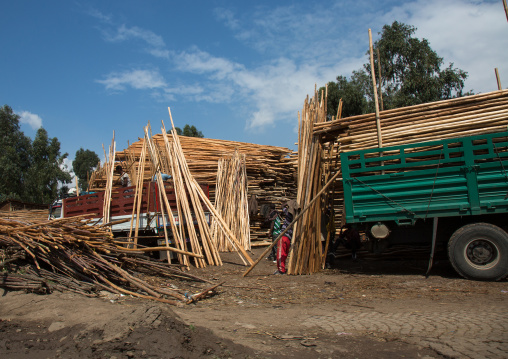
(270, 171)
(464, 116)
(319, 151)
(306, 254)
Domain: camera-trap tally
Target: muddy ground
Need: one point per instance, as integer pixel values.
(368, 308)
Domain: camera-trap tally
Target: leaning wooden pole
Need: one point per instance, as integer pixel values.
(380, 82)
(374, 87)
(498, 79)
(316, 197)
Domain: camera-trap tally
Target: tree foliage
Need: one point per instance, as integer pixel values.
(350, 92)
(45, 172)
(189, 131)
(85, 161)
(15, 150)
(30, 171)
(411, 74)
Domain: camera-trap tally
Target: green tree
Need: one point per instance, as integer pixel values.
(15, 150)
(351, 93)
(189, 131)
(411, 70)
(46, 172)
(85, 161)
(411, 74)
(192, 131)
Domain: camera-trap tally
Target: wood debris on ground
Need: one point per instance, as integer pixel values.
(73, 255)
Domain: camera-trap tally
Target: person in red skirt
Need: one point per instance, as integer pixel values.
(288, 214)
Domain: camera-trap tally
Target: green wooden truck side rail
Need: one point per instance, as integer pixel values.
(453, 177)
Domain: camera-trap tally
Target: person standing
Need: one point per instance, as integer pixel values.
(288, 214)
(275, 228)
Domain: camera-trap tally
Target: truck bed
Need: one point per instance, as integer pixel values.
(122, 200)
(456, 177)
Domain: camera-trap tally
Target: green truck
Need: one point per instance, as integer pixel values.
(451, 192)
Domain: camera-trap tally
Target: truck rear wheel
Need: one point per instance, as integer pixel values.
(479, 251)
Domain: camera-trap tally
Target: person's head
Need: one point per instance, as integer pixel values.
(118, 169)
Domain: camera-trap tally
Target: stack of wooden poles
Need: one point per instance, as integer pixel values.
(109, 169)
(231, 201)
(464, 116)
(306, 254)
(192, 234)
(270, 171)
(172, 161)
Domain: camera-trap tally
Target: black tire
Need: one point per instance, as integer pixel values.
(479, 251)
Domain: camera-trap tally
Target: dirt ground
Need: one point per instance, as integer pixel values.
(357, 309)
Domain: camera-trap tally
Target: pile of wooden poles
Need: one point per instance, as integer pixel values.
(70, 254)
(231, 202)
(109, 169)
(464, 116)
(192, 235)
(307, 249)
(270, 170)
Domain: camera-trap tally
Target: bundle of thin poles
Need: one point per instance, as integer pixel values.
(193, 224)
(175, 153)
(109, 169)
(71, 254)
(187, 219)
(231, 202)
(306, 255)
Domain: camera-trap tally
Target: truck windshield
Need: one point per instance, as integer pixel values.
(56, 212)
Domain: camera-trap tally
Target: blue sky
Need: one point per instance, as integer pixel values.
(237, 70)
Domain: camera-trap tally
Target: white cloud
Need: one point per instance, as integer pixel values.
(67, 166)
(33, 120)
(156, 46)
(185, 90)
(228, 17)
(276, 90)
(159, 53)
(124, 33)
(170, 93)
(99, 15)
(200, 62)
(136, 79)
